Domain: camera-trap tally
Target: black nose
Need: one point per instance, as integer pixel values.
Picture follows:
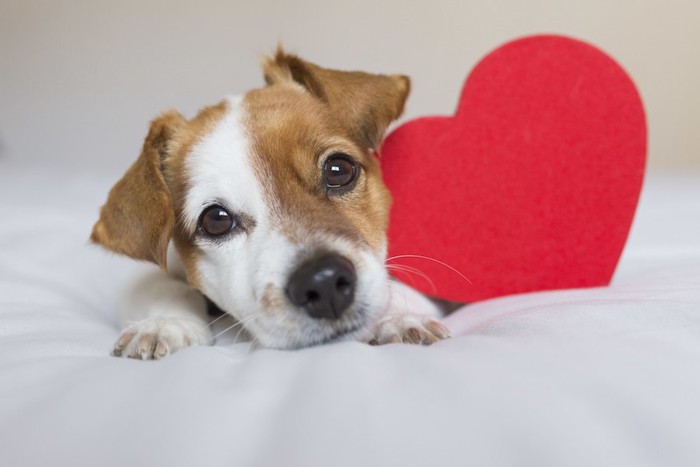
(324, 286)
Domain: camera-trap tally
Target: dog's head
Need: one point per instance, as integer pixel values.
(273, 202)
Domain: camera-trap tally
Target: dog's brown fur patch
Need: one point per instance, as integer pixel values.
(272, 300)
(138, 217)
(290, 131)
(306, 113)
(364, 104)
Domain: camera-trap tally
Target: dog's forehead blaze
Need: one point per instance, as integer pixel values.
(179, 181)
(288, 130)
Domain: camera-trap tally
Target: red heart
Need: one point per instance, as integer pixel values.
(532, 185)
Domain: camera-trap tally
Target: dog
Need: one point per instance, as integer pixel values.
(271, 205)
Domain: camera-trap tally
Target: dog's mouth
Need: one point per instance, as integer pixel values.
(357, 328)
(339, 335)
(307, 331)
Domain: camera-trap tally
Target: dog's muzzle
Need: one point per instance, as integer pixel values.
(324, 287)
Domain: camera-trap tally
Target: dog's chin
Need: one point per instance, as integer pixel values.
(358, 332)
(312, 339)
(314, 333)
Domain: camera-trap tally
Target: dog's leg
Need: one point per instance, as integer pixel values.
(412, 318)
(164, 315)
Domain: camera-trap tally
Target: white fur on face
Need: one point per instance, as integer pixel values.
(246, 273)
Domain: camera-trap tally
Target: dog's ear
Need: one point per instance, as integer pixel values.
(364, 103)
(138, 218)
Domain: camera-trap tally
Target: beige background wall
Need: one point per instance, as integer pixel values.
(80, 79)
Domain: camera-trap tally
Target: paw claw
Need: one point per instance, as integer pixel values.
(438, 329)
(145, 347)
(161, 349)
(122, 342)
(411, 336)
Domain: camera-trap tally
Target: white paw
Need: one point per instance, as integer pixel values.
(409, 328)
(154, 338)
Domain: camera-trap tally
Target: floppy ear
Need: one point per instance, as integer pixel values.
(364, 103)
(138, 218)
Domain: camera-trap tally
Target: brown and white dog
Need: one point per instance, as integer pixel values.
(272, 205)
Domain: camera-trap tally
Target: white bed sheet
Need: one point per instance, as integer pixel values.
(607, 376)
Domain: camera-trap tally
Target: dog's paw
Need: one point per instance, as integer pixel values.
(409, 328)
(154, 338)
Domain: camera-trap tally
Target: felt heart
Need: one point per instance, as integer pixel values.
(532, 185)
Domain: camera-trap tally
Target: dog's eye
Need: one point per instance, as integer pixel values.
(339, 171)
(216, 221)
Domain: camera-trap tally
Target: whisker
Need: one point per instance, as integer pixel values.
(250, 319)
(416, 271)
(254, 343)
(396, 267)
(240, 323)
(217, 319)
(442, 263)
(237, 323)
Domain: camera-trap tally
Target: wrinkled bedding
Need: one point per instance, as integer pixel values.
(606, 376)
